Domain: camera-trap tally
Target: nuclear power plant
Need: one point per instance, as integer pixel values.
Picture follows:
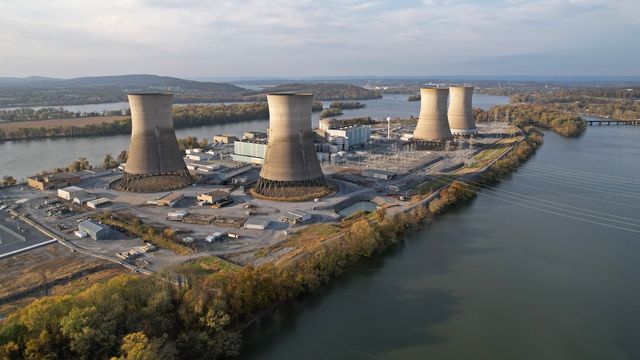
(461, 111)
(433, 124)
(248, 184)
(291, 169)
(154, 162)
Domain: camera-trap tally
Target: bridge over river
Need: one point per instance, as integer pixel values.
(600, 122)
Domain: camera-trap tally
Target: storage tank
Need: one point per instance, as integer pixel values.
(291, 170)
(154, 161)
(433, 124)
(461, 119)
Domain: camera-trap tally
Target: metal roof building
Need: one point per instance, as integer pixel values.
(94, 230)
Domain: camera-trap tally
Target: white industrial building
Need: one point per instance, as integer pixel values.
(296, 216)
(97, 203)
(350, 137)
(68, 193)
(83, 198)
(257, 223)
(250, 151)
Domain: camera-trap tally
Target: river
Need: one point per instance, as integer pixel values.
(503, 277)
(24, 158)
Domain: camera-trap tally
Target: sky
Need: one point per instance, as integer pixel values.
(301, 38)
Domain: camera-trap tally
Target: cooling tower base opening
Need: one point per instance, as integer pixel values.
(425, 145)
(302, 190)
(155, 182)
(464, 132)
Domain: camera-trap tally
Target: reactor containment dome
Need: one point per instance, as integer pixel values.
(291, 170)
(433, 124)
(154, 160)
(461, 111)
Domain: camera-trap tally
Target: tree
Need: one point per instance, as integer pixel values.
(122, 157)
(8, 181)
(137, 346)
(380, 215)
(362, 238)
(109, 162)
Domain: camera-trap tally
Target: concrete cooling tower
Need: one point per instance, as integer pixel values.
(155, 162)
(291, 170)
(433, 124)
(461, 110)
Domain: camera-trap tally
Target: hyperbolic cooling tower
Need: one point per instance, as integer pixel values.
(154, 162)
(433, 124)
(291, 169)
(461, 111)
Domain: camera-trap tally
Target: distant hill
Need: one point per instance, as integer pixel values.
(39, 91)
(24, 80)
(323, 91)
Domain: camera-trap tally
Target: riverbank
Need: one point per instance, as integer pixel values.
(188, 116)
(492, 279)
(218, 304)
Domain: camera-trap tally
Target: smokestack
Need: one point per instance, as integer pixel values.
(154, 162)
(291, 170)
(461, 111)
(433, 124)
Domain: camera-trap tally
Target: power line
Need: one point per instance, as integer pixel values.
(579, 211)
(569, 194)
(561, 214)
(569, 184)
(538, 208)
(620, 178)
(583, 179)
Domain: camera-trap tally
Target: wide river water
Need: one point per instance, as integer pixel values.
(24, 158)
(542, 266)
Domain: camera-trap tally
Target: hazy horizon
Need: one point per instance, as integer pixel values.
(294, 39)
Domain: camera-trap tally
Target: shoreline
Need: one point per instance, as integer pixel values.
(221, 304)
(485, 176)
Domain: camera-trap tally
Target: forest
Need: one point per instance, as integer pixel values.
(562, 122)
(183, 117)
(321, 91)
(616, 103)
(29, 114)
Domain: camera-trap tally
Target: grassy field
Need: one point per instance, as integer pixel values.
(12, 126)
(53, 263)
(490, 154)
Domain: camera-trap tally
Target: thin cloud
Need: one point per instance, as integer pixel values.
(305, 37)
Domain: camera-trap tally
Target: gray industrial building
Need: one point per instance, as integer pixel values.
(249, 151)
(155, 163)
(94, 230)
(433, 124)
(460, 111)
(379, 174)
(291, 169)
